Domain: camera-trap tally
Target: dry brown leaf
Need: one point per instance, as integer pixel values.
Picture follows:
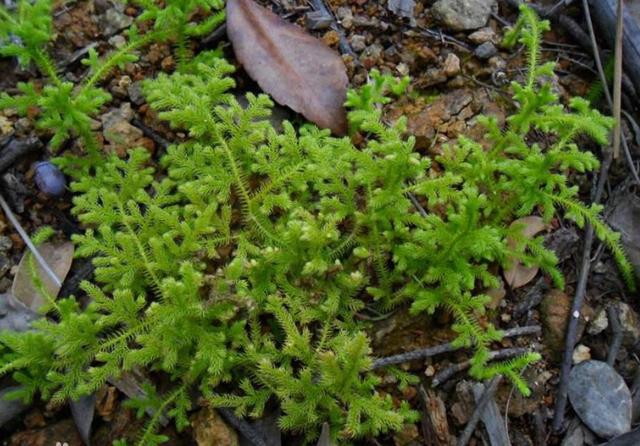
(519, 275)
(59, 257)
(295, 68)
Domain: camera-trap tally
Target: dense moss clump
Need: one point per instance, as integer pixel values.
(237, 267)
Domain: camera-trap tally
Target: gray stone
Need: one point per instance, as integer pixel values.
(364, 21)
(5, 284)
(116, 127)
(460, 15)
(318, 20)
(22, 126)
(117, 41)
(5, 266)
(483, 35)
(599, 323)
(601, 398)
(629, 323)
(114, 20)
(402, 8)
(115, 115)
(485, 51)
(135, 93)
(451, 66)
(14, 315)
(358, 43)
(625, 218)
(345, 16)
(578, 435)
(5, 243)
(373, 51)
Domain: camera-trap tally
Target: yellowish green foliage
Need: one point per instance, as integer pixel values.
(237, 266)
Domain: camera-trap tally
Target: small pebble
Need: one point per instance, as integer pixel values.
(485, 51)
(5, 243)
(135, 93)
(483, 35)
(599, 323)
(331, 38)
(601, 398)
(358, 43)
(345, 16)
(316, 20)
(581, 353)
(6, 128)
(451, 65)
(117, 41)
(403, 69)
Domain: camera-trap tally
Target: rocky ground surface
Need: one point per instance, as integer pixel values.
(451, 51)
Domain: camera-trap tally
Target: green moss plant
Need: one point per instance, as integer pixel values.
(236, 267)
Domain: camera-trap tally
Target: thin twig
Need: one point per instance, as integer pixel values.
(417, 205)
(477, 413)
(617, 80)
(618, 334)
(605, 85)
(445, 38)
(242, 426)
(151, 133)
(578, 300)
(16, 149)
(447, 373)
(572, 328)
(23, 234)
(214, 37)
(581, 288)
(345, 47)
(445, 348)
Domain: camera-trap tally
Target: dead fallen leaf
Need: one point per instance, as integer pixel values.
(519, 275)
(295, 68)
(59, 257)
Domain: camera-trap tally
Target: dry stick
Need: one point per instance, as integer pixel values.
(14, 221)
(242, 426)
(634, 126)
(605, 86)
(576, 32)
(578, 300)
(475, 417)
(617, 80)
(151, 133)
(16, 149)
(417, 205)
(447, 373)
(572, 328)
(445, 38)
(618, 334)
(444, 348)
(345, 47)
(215, 36)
